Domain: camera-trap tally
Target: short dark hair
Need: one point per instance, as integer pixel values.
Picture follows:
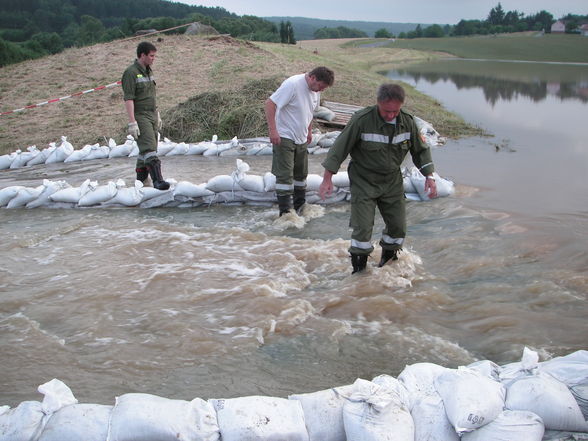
(323, 74)
(144, 48)
(388, 92)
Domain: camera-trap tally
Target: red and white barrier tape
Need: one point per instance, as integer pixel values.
(32, 106)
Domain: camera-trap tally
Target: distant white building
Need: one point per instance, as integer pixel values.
(584, 30)
(559, 27)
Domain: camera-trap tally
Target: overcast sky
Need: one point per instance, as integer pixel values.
(415, 11)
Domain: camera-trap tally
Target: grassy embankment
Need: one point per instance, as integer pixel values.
(186, 67)
(526, 46)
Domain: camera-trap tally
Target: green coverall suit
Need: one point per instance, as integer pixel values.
(377, 149)
(138, 84)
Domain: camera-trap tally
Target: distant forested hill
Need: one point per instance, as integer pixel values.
(304, 28)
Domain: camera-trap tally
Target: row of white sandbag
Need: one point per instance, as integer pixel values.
(427, 402)
(239, 187)
(65, 152)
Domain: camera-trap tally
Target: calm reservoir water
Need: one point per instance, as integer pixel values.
(223, 301)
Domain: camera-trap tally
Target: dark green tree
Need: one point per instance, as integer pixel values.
(382, 33)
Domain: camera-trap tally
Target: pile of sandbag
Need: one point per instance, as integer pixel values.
(239, 187)
(526, 401)
(63, 151)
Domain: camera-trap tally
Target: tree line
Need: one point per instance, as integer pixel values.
(35, 28)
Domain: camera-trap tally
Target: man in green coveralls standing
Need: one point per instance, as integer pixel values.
(378, 139)
(138, 84)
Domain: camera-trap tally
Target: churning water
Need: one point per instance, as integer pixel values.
(226, 301)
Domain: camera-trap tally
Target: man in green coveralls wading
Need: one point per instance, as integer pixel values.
(138, 84)
(378, 139)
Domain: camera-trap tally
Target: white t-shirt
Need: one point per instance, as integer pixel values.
(295, 106)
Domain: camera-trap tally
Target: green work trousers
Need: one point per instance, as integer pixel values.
(290, 166)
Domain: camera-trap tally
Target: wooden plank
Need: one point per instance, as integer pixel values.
(343, 113)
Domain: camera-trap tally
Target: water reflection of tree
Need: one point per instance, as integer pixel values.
(496, 89)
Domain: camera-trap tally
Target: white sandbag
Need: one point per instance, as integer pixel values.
(42, 156)
(527, 366)
(56, 395)
(414, 197)
(267, 150)
(50, 187)
(408, 186)
(216, 149)
(255, 148)
(313, 182)
(24, 196)
(197, 149)
(153, 197)
(163, 148)
(470, 398)
(237, 150)
(259, 418)
(430, 419)
(185, 188)
(97, 194)
(419, 379)
(180, 148)
(6, 160)
(557, 435)
(325, 113)
(78, 155)
(123, 150)
(571, 369)
(341, 179)
(549, 398)
(320, 151)
(226, 197)
(71, 194)
(23, 158)
(487, 368)
(8, 193)
(580, 393)
(269, 181)
(135, 150)
(323, 413)
(428, 133)
(77, 422)
(509, 425)
(253, 196)
(326, 143)
(222, 183)
(127, 196)
(145, 417)
(61, 152)
(332, 134)
(340, 195)
(253, 183)
(375, 413)
(97, 151)
(23, 423)
(316, 137)
(445, 187)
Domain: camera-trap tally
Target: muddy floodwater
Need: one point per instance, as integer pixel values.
(225, 301)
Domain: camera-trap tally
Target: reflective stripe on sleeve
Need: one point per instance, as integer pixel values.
(361, 245)
(375, 137)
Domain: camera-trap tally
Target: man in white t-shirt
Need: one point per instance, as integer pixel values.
(289, 111)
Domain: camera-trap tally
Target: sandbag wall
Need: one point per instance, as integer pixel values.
(237, 188)
(526, 401)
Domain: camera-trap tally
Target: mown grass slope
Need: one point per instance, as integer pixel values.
(185, 67)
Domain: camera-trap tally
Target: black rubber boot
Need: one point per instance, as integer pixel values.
(154, 168)
(284, 203)
(299, 198)
(387, 255)
(359, 262)
(142, 174)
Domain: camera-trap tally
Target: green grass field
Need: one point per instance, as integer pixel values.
(526, 47)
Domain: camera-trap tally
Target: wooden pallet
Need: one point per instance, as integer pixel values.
(343, 113)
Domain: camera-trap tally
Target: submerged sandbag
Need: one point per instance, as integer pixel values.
(145, 417)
